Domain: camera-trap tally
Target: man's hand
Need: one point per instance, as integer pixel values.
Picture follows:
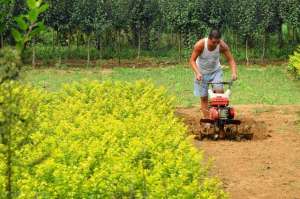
(234, 76)
(198, 76)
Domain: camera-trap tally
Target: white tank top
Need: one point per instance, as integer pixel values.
(209, 61)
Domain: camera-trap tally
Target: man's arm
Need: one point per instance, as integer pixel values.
(225, 50)
(198, 48)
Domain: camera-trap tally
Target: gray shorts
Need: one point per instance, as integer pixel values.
(201, 87)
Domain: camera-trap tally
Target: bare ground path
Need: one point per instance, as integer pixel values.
(267, 167)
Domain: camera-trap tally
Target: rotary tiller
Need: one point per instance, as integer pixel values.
(221, 122)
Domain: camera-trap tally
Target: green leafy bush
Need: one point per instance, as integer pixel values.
(111, 140)
(47, 54)
(294, 62)
(23, 112)
(28, 24)
(10, 63)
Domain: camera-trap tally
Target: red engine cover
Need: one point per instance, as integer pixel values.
(219, 101)
(232, 113)
(213, 114)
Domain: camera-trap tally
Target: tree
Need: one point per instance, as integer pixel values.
(59, 18)
(142, 15)
(214, 13)
(84, 15)
(183, 19)
(118, 16)
(6, 8)
(266, 21)
(175, 13)
(101, 24)
(28, 24)
(289, 11)
(242, 15)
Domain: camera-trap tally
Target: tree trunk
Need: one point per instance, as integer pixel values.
(297, 35)
(100, 47)
(57, 38)
(264, 46)
(119, 47)
(59, 48)
(77, 39)
(139, 45)
(88, 55)
(280, 36)
(280, 39)
(69, 40)
(247, 59)
(33, 54)
(179, 46)
(1, 41)
(294, 35)
(97, 42)
(170, 37)
(53, 40)
(159, 37)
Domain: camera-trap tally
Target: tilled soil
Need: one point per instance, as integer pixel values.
(266, 167)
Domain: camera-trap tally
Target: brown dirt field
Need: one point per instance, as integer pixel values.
(267, 167)
(112, 63)
(143, 62)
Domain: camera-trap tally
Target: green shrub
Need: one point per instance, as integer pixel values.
(294, 62)
(48, 54)
(23, 111)
(110, 140)
(10, 63)
(120, 140)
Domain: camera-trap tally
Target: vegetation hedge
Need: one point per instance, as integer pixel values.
(92, 140)
(294, 62)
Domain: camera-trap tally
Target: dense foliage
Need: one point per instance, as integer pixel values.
(94, 140)
(264, 25)
(23, 111)
(294, 62)
(10, 64)
(28, 24)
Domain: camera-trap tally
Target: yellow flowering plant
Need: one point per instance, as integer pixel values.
(294, 62)
(109, 140)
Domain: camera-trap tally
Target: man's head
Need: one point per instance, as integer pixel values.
(214, 37)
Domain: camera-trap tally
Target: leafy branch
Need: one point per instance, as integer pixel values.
(28, 24)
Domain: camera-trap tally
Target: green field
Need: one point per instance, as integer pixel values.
(256, 84)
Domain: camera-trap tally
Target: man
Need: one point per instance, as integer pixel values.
(205, 62)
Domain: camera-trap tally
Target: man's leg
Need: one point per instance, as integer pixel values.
(204, 107)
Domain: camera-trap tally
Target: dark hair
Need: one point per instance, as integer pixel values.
(215, 34)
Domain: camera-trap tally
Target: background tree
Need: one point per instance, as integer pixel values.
(6, 11)
(265, 21)
(242, 13)
(101, 24)
(84, 15)
(29, 25)
(155, 26)
(289, 12)
(176, 13)
(119, 20)
(142, 14)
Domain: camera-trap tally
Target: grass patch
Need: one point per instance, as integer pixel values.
(256, 85)
(52, 79)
